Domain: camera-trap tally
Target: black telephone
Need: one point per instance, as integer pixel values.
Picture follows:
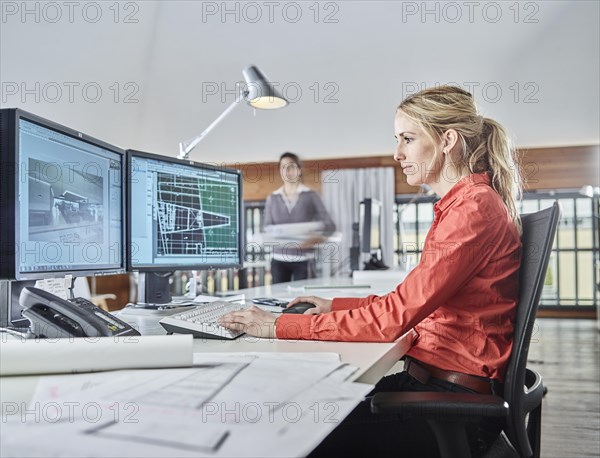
(53, 317)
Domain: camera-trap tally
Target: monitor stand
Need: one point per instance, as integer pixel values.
(10, 310)
(154, 291)
(375, 263)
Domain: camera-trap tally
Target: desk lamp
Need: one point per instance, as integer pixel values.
(258, 92)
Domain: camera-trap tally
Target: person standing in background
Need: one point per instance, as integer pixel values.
(295, 203)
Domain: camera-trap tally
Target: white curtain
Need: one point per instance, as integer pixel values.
(342, 193)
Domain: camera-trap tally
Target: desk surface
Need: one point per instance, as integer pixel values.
(372, 359)
(329, 287)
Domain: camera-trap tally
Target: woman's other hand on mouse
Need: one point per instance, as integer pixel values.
(321, 305)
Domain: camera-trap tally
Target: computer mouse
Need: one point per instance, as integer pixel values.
(300, 307)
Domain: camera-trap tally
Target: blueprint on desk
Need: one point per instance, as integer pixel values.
(227, 404)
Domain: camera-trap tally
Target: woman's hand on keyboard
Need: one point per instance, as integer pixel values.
(253, 321)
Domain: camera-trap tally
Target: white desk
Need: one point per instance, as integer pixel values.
(326, 287)
(372, 359)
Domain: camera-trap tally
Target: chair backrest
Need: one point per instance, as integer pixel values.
(539, 230)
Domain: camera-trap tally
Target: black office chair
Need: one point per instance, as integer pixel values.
(448, 413)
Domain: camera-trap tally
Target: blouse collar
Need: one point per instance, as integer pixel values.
(460, 188)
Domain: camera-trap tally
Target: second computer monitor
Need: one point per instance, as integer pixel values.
(370, 226)
(182, 215)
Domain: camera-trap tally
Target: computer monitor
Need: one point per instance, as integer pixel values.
(370, 226)
(370, 212)
(61, 202)
(183, 215)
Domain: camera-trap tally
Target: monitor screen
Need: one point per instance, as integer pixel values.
(62, 196)
(183, 215)
(370, 225)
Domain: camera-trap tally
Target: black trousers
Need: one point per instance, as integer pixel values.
(282, 271)
(364, 434)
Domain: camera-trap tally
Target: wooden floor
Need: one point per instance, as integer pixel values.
(566, 353)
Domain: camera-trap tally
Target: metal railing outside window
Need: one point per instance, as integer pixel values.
(572, 278)
(413, 216)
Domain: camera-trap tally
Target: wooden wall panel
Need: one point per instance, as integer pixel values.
(561, 168)
(543, 168)
(115, 284)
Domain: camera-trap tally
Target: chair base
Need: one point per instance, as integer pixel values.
(501, 448)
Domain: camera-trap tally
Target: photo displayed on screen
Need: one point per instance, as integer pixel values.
(189, 217)
(70, 210)
(70, 203)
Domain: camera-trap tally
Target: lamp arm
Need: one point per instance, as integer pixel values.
(189, 145)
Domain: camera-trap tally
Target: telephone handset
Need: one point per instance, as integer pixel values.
(53, 317)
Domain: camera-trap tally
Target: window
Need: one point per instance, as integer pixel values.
(572, 277)
(413, 217)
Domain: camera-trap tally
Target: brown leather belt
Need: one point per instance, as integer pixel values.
(423, 372)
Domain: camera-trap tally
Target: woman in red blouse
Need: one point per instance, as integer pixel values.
(460, 298)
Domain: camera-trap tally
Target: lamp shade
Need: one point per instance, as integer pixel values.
(260, 93)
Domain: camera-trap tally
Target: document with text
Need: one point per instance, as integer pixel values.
(226, 404)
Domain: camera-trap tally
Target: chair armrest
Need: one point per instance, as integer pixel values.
(534, 390)
(440, 405)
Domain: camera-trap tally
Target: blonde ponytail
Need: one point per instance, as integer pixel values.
(503, 166)
(486, 146)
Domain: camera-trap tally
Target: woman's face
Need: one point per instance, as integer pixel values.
(289, 170)
(415, 152)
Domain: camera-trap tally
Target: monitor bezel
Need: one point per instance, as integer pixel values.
(130, 153)
(9, 182)
(366, 223)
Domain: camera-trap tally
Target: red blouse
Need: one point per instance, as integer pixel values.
(460, 298)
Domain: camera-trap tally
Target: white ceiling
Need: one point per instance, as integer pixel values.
(353, 64)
